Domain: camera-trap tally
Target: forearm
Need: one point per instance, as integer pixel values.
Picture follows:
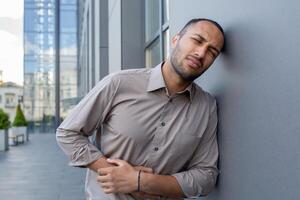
(162, 185)
(100, 163)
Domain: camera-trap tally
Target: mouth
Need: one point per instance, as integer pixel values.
(194, 63)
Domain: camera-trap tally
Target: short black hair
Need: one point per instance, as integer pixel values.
(196, 20)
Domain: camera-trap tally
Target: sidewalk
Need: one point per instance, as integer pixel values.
(38, 170)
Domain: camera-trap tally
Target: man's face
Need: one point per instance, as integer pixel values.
(196, 49)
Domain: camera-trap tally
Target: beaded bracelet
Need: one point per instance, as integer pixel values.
(139, 180)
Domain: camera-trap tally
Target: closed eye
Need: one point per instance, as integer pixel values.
(197, 40)
(213, 52)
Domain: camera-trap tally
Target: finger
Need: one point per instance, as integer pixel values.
(115, 161)
(106, 185)
(108, 190)
(146, 169)
(104, 171)
(103, 179)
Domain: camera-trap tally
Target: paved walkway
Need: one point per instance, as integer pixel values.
(38, 170)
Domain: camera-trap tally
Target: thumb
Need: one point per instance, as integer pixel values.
(146, 169)
(115, 161)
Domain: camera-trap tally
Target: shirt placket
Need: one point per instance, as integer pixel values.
(160, 133)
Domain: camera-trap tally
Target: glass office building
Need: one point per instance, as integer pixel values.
(68, 56)
(50, 64)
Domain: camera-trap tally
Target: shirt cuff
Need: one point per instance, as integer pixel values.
(188, 185)
(85, 155)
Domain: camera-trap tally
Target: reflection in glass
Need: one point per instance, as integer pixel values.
(68, 56)
(152, 18)
(39, 63)
(68, 21)
(68, 44)
(67, 2)
(166, 14)
(153, 54)
(166, 43)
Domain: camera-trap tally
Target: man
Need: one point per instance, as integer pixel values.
(155, 128)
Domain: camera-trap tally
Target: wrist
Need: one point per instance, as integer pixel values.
(135, 183)
(145, 181)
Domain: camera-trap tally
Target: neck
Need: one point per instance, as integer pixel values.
(173, 81)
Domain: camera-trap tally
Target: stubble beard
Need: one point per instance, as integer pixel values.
(179, 69)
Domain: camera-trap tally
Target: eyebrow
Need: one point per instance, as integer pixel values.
(202, 38)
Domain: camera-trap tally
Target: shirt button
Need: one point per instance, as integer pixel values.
(156, 149)
(163, 124)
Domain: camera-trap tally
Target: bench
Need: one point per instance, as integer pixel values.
(16, 140)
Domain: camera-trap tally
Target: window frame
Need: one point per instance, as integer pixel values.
(159, 34)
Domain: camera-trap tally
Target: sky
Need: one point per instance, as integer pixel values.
(11, 40)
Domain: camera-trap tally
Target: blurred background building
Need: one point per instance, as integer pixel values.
(11, 94)
(50, 62)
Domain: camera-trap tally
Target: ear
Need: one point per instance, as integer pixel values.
(174, 41)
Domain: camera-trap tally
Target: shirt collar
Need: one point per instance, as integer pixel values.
(156, 81)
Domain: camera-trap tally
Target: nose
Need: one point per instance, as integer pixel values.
(201, 51)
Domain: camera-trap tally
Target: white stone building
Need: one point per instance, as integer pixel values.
(10, 95)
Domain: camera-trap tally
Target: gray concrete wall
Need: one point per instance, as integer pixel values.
(256, 82)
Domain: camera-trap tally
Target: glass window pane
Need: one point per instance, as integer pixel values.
(38, 20)
(68, 44)
(166, 44)
(153, 54)
(68, 21)
(166, 14)
(68, 56)
(68, 1)
(31, 16)
(39, 64)
(152, 18)
(68, 84)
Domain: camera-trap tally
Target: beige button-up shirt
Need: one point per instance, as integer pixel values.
(132, 117)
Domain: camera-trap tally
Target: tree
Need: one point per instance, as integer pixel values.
(4, 120)
(19, 118)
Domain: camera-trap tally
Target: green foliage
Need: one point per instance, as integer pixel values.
(4, 120)
(19, 119)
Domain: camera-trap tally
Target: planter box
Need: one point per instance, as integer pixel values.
(3, 140)
(14, 131)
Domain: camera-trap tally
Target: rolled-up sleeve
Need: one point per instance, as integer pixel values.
(86, 117)
(200, 177)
